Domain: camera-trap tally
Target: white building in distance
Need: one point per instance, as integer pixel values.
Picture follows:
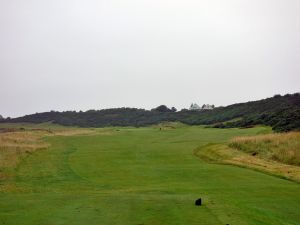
(196, 107)
(208, 106)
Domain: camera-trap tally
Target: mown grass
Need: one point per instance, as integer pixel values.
(284, 147)
(150, 176)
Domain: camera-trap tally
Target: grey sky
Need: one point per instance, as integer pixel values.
(78, 55)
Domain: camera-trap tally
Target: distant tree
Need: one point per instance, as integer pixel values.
(296, 95)
(184, 110)
(163, 108)
(91, 110)
(173, 109)
(1, 117)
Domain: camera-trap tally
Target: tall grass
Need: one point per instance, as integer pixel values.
(15, 145)
(284, 147)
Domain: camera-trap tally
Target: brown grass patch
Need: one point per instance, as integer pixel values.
(223, 154)
(277, 154)
(284, 147)
(73, 132)
(15, 145)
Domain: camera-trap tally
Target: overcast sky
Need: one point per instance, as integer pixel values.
(95, 54)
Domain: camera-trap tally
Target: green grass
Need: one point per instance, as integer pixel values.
(134, 176)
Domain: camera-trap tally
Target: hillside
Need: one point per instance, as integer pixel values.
(282, 113)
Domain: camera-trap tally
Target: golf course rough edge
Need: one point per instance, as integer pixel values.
(222, 154)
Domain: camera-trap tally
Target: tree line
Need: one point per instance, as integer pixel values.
(282, 113)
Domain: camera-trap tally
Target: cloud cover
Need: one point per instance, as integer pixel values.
(78, 55)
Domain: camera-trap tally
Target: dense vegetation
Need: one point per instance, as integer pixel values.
(282, 113)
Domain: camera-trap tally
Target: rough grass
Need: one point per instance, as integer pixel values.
(284, 147)
(222, 154)
(16, 143)
(13, 145)
(276, 154)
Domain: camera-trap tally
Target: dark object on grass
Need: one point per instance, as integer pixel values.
(198, 202)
